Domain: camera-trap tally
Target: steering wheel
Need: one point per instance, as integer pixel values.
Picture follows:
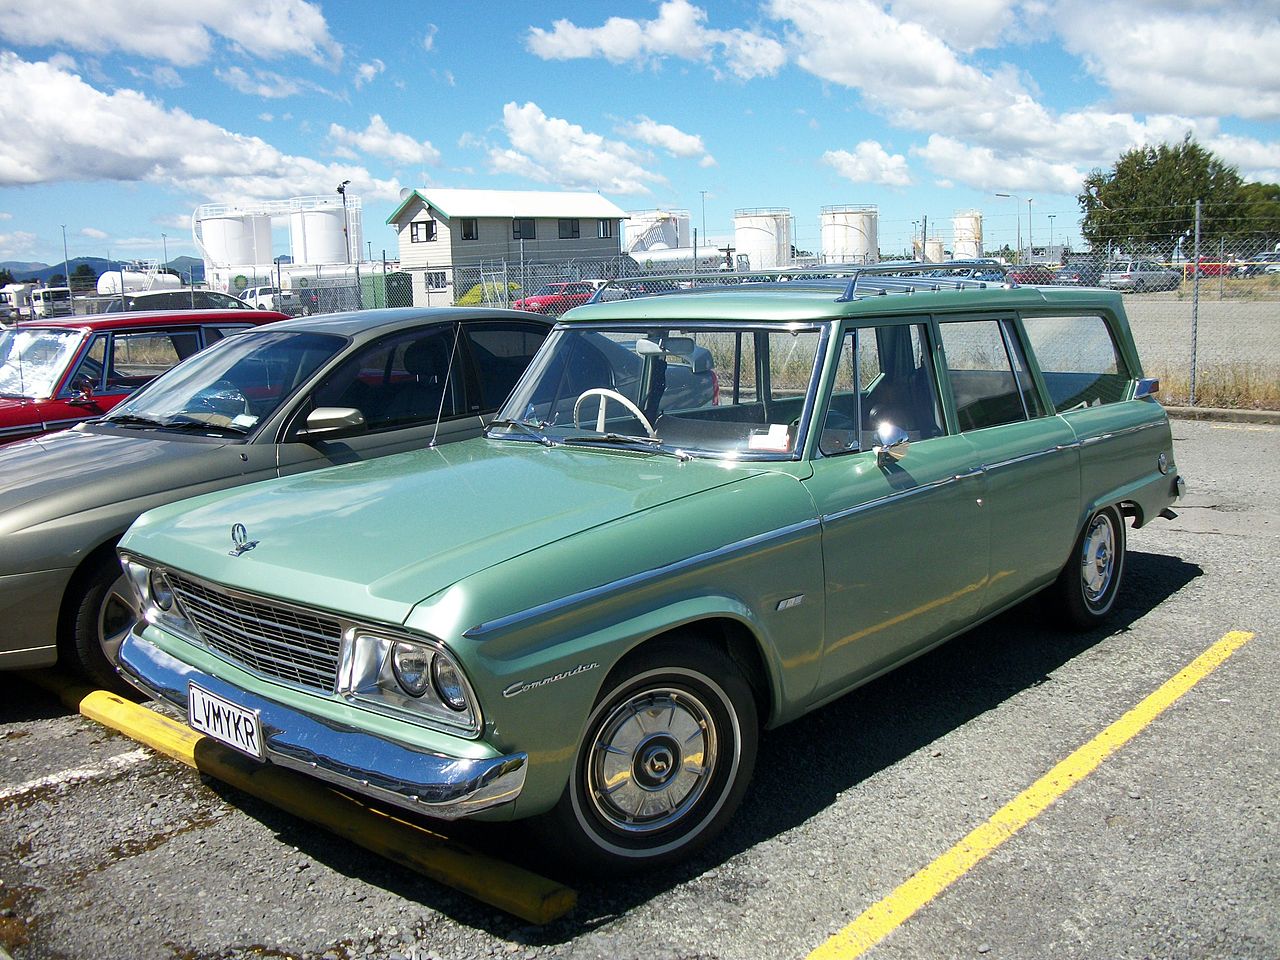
(606, 394)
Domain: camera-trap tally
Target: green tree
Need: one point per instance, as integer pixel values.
(5, 276)
(57, 280)
(1258, 215)
(84, 272)
(1146, 203)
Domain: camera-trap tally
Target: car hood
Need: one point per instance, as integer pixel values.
(61, 473)
(374, 538)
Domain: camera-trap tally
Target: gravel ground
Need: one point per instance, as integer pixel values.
(1169, 850)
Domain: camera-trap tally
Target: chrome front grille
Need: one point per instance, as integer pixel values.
(284, 642)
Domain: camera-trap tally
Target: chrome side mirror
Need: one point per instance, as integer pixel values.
(324, 420)
(893, 443)
(1147, 387)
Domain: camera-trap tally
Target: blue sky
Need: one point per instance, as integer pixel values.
(118, 117)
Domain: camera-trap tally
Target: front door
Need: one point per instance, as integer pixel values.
(905, 542)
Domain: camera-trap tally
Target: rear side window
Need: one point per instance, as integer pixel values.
(500, 353)
(988, 378)
(1078, 361)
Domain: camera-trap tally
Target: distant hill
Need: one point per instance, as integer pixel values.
(41, 272)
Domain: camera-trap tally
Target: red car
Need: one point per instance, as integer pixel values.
(1030, 275)
(57, 373)
(555, 298)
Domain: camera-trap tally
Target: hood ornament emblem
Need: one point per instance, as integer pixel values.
(240, 540)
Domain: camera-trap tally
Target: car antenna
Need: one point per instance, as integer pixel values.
(457, 332)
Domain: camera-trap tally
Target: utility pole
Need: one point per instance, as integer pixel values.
(1029, 248)
(1017, 216)
(66, 271)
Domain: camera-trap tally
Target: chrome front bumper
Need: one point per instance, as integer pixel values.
(430, 783)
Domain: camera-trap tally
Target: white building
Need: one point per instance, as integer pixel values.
(442, 230)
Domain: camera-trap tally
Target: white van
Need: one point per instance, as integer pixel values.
(15, 301)
(51, 302)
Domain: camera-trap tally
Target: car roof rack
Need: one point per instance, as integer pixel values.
(848, 281)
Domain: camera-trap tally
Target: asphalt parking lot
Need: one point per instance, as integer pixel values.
(1169, 848)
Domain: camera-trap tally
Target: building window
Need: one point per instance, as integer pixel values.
(436, 280)
(470, 230)
(604, 229)
(569, 230)
(422, 231)
(522, 228)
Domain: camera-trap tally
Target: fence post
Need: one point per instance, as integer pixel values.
(1195, 308)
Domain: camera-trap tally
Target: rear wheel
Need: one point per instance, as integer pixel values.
(1087, 586)
(669, 748)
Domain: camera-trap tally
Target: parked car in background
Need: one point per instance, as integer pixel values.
(1080, 273)
(587, 616)
(282, 399)
(1030, 274)
(1259, 264)
(57, 373)
(51, 302)
(188, 299)
(554, 299)
(1135, 276)
(1208, 268)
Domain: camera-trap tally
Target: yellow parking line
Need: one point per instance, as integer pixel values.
(520, 892)
(882, 918)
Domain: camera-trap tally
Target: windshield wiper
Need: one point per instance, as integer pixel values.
(529, 428)
(653, 444)
(200, 426)
(129, 420)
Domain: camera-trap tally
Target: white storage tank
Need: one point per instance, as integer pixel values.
(657, 230)
(933, 250)
(850, 233)
(763, 234)
(966, 227)
(317, 236)
(235, 238)
(135, 281)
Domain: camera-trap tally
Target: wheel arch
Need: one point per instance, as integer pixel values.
(68, 603)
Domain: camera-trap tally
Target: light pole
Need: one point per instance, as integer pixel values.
(704, 215)
(346, 227)
(164, 242)
(66, 264)
(912, 245)
(1028, 229)
(1051, 216)
(369, 244)
(1017, 215)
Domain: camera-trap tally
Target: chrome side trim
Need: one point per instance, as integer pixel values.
(22, 429)
(481, 630)
(900, 495)
(1024, 458)
(1122, 432)
(436, 784)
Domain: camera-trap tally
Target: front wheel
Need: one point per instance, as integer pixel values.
(668, 751)
(104, 613)
(1087, 586)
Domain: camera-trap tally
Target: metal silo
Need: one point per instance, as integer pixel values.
(318, 228)
(850, 233)
(764, 235)
(966, 226)
(228, 235)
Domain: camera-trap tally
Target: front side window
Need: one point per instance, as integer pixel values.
(1078, 361)
(470, 229)
(707, 391)
(569, 230)
(230, 387)
(604, 229)
(422, 231)
(32, 360)
(135, 359)
(986, 389)
(523, 228)
(883, 375)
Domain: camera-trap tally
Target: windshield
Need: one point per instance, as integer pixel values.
(233, 386)
(34, 360)
(731, 392)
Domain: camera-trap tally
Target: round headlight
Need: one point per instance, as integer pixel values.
(411, 663)
(161, 592)
(448, 683)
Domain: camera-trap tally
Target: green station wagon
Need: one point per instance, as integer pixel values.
(586, 616)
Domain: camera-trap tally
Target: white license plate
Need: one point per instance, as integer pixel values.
(224, 721)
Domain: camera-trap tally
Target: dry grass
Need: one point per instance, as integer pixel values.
(1240, 386)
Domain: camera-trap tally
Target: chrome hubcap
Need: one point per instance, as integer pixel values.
(116, 617)
(1097, 561)
(651, 760)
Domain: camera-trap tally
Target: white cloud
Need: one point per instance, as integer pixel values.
(551, 150)
(59, 128)
(429, 39)
(1255, 160)
(5, 216)
(176, 32)
(263, 83)
(366, 72)
(666, 137)
(266, 117)
(678, 31)
(161, 76)
(986, 169)
(973, 25)
(378, 140)
(93, 233)
(870, 163)
(1205, 59)
(18, 242)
